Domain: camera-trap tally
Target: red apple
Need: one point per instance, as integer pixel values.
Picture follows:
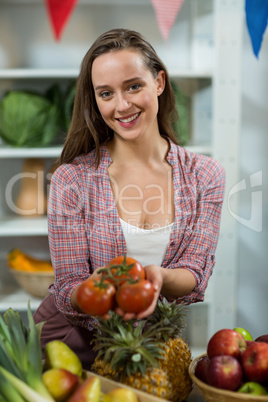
(201, 368)
(226, 342)
(249, 343)
(254, 362)
(262, 338)
(225, 372)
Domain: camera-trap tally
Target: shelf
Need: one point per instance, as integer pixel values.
(72, 73)
(199, 149)
(23, 226)
(190, 73)
(11, 294)
(16, 298)
(12, 152)
(54, 152)
(37, 73)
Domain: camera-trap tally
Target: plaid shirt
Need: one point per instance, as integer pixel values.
(85, 230)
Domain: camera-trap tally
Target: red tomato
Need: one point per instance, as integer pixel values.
(95, 297)
(135, 297)
(123, 268)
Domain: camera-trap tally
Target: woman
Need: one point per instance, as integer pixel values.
(124, 187)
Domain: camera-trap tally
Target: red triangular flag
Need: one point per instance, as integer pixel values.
(59, 12)
(166, 12)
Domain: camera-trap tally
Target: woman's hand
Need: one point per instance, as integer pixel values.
(154, 275)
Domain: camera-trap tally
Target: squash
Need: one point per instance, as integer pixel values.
(20, 261)
(31, 200)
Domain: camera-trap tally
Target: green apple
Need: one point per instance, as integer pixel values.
(244, 332)
(252, 388)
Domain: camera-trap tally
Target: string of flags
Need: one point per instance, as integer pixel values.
(60, 11)
(166, 12)
(256, 18)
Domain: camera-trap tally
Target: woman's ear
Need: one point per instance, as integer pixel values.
(161, 81)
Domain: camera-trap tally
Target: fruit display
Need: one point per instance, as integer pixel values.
(148, 355)
(121, 284)
(235, 367)
(25, 377)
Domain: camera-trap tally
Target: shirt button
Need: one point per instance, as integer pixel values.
(172, 243)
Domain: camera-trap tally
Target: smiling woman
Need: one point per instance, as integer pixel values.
(121, 168)
(127, 93)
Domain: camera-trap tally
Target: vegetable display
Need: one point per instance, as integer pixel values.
(25, 377)
(122, 284)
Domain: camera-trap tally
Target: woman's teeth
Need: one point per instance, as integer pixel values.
(129, 119)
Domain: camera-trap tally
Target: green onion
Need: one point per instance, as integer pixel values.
(27, 392)
(20, 355)
(7, 392)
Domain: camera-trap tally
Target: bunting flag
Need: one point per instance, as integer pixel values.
(166, 13)
(59, 12)
(256, 16)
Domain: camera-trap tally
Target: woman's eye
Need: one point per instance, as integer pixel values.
(105, 94)
(134, 87)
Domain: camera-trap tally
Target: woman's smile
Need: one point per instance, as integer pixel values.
(129, 121)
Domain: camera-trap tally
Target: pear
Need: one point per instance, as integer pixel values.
(120, 395)
(88, 391)
(60, 355)
(60, 383)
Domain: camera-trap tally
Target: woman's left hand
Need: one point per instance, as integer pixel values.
(154, 275)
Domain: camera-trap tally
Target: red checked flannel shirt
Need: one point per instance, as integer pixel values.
(85, 230)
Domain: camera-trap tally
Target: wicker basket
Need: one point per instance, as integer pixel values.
(36, 284)
(212, 394)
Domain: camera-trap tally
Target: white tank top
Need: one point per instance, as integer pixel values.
(146, 246)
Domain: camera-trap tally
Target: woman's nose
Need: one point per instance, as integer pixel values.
(122, 103)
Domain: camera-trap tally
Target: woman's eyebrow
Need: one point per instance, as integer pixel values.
(124, 82)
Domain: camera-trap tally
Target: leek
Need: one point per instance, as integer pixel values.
(7, 392)
(29, 394)
(20, 354)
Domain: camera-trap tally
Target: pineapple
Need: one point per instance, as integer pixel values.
(148, 355)
(177, 357)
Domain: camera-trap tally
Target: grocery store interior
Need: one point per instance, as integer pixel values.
(222, 88)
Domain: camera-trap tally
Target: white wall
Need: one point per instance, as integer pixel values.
(253, 240)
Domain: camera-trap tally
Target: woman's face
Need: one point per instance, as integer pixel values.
(127, 93)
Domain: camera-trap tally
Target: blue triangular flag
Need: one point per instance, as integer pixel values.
(256, 16)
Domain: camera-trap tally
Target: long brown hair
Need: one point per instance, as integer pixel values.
(87, 129)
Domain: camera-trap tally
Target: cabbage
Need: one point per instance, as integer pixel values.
(28, 119)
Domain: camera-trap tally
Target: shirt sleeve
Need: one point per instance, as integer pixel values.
(67, 239)
(198, 252)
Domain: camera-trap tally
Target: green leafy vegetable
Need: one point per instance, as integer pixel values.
(28, 119)
(181, 127)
